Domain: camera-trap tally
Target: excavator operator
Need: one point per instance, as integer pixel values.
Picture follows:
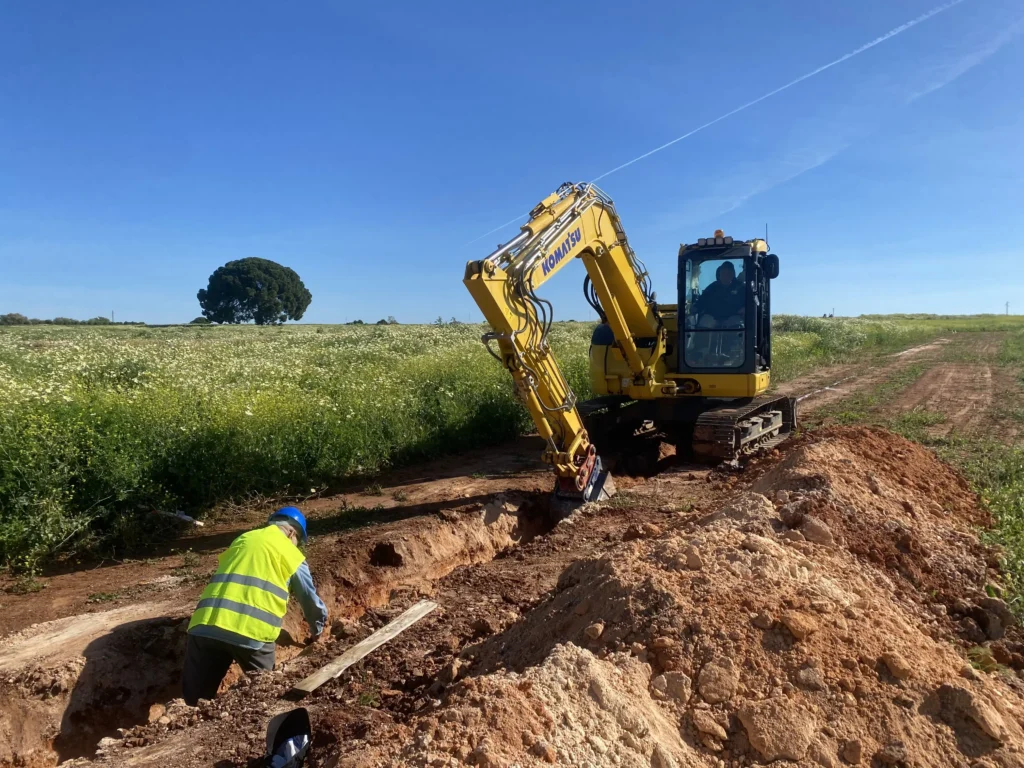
(721, 303)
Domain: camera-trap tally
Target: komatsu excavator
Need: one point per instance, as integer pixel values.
(698, 368)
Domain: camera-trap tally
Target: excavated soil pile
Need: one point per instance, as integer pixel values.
(810, 626)
(822, 615)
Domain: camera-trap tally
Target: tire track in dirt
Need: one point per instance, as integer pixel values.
(963, 393)
(972, 392)
(819, 389)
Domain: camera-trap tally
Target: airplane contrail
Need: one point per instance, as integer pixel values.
(866, 47)
(845, 57)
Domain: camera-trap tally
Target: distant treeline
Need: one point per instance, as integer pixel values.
(15, 318)
(390, 321)
(925, 316)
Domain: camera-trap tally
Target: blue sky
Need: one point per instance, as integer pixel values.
(370, 146)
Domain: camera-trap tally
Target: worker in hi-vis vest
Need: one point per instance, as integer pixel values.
(240, 612)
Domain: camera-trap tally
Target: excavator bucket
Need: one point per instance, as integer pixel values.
(602, 485)
(566, 499)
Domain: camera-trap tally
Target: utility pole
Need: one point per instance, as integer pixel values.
(1007, 309)
(111, 315)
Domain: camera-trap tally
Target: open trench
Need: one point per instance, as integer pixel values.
(67, 684)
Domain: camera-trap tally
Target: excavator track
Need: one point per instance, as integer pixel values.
(728, 432)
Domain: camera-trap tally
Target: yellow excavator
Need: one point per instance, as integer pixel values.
(698, 368)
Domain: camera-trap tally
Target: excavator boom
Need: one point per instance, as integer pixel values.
(700, 367)
(578, 220)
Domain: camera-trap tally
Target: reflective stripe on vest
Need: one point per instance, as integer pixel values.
(251, 581)
(249, 593)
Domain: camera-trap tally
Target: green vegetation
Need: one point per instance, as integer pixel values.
(1012, 351)
(16, 318)
(188, 571)
(26, 584)
(982, 658)
(99, 425)
(914, 424)
(997, 472)
(369, 696)
(954, 323)
(189, 563)
(803, 343)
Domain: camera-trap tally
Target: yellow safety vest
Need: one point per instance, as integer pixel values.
(249, 593)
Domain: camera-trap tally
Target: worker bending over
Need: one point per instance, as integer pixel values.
(240, 612)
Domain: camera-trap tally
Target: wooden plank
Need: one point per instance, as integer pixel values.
(362, 648)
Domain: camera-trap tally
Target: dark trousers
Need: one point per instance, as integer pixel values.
(207, 661)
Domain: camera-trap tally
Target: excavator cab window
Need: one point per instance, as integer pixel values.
(716, 311)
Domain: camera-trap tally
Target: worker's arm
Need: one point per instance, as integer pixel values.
(313, 608)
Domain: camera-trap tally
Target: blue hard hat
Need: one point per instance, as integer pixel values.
(294, 515)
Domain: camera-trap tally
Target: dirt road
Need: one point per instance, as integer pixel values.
(974, 394)
(672, 626)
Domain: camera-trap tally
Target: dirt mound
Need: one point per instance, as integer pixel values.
(807, 629)
(897, 507)
(819, 615)
(612, 718)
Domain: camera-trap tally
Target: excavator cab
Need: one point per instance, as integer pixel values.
(725, 306)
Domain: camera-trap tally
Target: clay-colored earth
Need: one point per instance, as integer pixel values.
(817, 606)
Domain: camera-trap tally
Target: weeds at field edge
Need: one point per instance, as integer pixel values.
(98, 426)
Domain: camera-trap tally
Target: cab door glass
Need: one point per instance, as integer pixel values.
(716, 300)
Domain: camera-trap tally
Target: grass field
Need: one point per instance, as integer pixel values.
(99, 424)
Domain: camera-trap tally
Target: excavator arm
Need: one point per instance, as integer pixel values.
(576, 221)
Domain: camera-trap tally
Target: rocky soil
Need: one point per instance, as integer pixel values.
(829, 605)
